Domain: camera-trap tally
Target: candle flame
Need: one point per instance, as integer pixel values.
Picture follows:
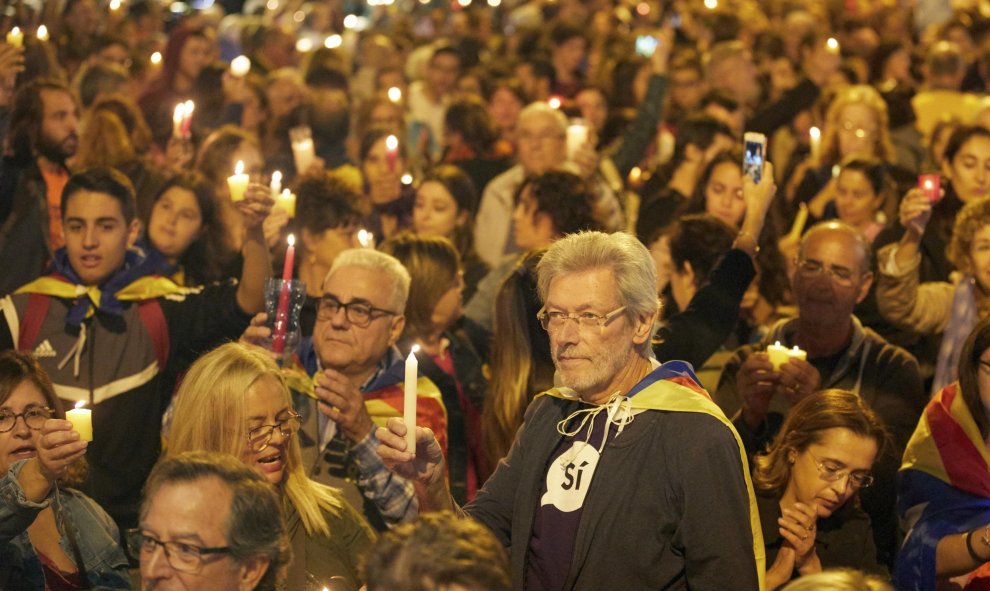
(413, 351)
(395, 94)
(286, 194)
(115, 5)
(406, 179)
(776, 344)
(291, 239)
(180, 111)
(240, 66)
(239, 168)
(928, 183)
(392, 143)
(277, 177)
(190, 106)
(365, 238)
(333, 41)
(42, 33)
(80, 404)
(554, 102)
(156, 58)
(832, 44)
(15, 31)
(815, 133)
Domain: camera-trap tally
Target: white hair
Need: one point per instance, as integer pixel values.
(388, 267)
(542, 108)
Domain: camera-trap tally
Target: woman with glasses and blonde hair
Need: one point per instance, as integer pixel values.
(51, 536)
(234, 400)
(807, 487)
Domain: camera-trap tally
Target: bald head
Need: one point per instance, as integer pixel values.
(834, 230)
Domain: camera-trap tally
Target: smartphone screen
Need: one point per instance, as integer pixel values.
(646, 45)
(754, 148)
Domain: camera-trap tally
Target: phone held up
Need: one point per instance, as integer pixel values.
(754, 153)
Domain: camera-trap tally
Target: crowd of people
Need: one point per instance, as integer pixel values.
(740, 247)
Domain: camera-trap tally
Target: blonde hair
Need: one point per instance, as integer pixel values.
(859, 94)
(210, 415)
(973, 217)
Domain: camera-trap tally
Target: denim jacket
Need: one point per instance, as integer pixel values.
(96, 534)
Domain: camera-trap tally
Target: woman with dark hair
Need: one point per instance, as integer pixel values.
(51, 536)
(863, 194)
(505, 101)
(472, 143)
(807, 487)
(186, 227)
(944, 482)
(390, 200)
(446, 203)
(187, 52)
(445, 353)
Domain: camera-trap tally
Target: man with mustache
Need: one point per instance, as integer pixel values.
(42, 138)
(626, 476)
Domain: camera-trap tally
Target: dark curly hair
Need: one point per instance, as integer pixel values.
(566, 198)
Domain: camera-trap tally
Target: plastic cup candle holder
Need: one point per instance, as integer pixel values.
(238, 182)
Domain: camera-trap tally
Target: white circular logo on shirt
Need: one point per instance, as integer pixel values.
(569, 477)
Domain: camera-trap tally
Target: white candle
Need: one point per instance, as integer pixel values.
(815, 143)
(287, 201)
(409, 400)
(238, 182)
(82, 421)
(240, 66)
(577, 136)
(178, 115)
(276, 185)
(15, 37)
(779, 354)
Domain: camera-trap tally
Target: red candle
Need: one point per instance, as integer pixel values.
(282, 312)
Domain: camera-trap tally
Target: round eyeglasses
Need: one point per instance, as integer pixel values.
(34, 418)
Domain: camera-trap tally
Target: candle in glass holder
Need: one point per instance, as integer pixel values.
(82, 421)
(15, 37)
(238, 182)
(779, 354)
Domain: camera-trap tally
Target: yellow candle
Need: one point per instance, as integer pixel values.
(238, 182)
(82, 421)
(15, 37)
(287, 201)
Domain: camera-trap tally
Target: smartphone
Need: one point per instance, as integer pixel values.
(931, 186)
(754, 151)
(646, 45)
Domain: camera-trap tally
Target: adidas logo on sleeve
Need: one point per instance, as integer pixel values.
(45, 349)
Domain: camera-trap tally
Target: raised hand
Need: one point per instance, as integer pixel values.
(57, 447)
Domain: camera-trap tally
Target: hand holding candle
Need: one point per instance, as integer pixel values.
(409, 399)
(82, 421)
(779, 355)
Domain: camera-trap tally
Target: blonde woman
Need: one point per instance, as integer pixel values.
(234, 400)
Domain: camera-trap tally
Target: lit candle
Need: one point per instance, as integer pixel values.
(409, 400)
(276, 185)
(332, 41)
(42, 33)
(815, 143)
(238, 182)
(406, 179)
(187, 120)
(391, 151)
(635, 175)
(240, 66)
(82, 421)
(395, 94)
(287, 201)
(15, 37)
(156, 58)
(554, 102)
(365, 238)
(114, 5)
(832, 45)
(177, 117)
(577, 136)
(303, 150)
(282, 312)
(779, 355)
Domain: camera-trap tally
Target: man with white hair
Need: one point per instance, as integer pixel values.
(357, 379)
(626, 476)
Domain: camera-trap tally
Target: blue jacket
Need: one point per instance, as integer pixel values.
(97, 535)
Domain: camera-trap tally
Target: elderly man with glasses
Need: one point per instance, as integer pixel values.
(357, 378)
(626, 476)
(209, 522)
(831, 275)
